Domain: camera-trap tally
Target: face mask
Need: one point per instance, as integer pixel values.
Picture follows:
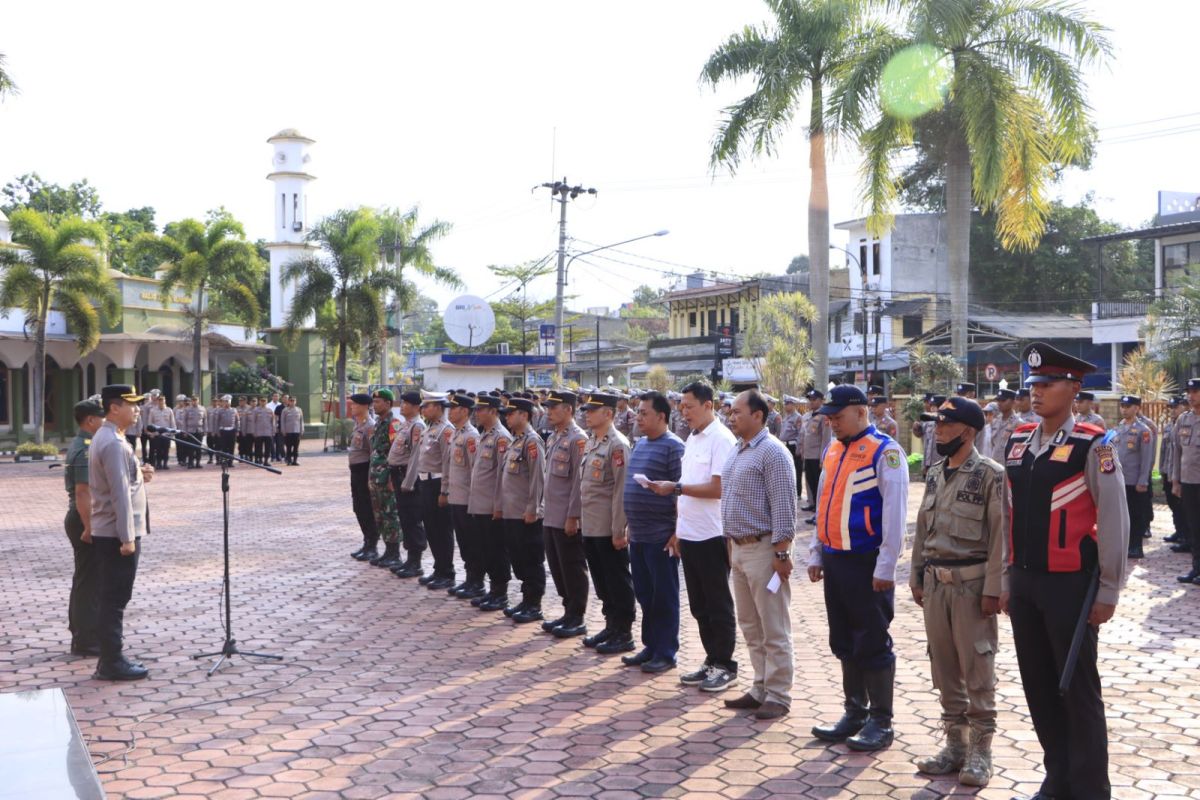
(951, 447)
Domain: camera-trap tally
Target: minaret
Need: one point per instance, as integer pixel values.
(289, 180)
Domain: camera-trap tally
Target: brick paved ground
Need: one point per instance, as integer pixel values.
(390, 691)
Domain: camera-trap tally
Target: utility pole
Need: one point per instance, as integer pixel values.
(562, 191)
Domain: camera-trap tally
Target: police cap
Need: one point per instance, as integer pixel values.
(1047, 364)
(958, 409)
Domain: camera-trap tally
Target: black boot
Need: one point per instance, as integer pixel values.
(854, 689)
(369, 551)
(620, 640)
(390, 557)
(1135, 547)
(357, 555)
(877, 733)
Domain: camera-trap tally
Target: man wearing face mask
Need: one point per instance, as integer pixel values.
(957, 563)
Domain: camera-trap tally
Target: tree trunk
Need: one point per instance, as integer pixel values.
(341, 378)
(958, 238)
(197, 332)
(818, 238)
(39, 371)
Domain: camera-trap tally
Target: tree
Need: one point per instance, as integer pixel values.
(214, 262)
(6, 82)
(807, 46)
(933, 372)
(58, 203)
(1142, 375)
(123, 227)
(798, 264)
(658, 378)
(341, 287)
(56, 266)
(1173, 324)
(778, 342)
(1015, 111)
(517, 306)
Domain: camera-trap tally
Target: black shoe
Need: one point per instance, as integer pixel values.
(550, 624)
(1173, 538)
(367, 553)
(1191, 576)
(454, 590)
(390, 557)
(1196, 581)
(657, 665)
(808, 508)
(875, 735)
(569, 628)
(637, 659)
(618, 642)
(512, 611)
(83, 647)
(811, 520)
(498, 602)
(694, 678)
(1181, 548)
(531, 613)
(481, 599)
(408, 571)
(120, 670)
(472, 592)
(597, 639)
(439, 584)
(427, 579)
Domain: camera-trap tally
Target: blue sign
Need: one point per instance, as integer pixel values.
(546, 331)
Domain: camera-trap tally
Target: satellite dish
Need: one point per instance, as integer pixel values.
(469, 321)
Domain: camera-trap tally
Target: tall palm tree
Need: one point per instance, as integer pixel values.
(216, 264)
(404, 244)
(1015, 111)
(804, 49)
(342, 287)
(60, 267)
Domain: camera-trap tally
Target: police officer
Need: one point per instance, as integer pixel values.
(484, 502)
(1005, 422)
(81, 608)
(925, 431)
(564, 546)
(140, 424)
(789, 434)
(814, 438)
(137, 429)
(227, 428)
(957, 562)
(1024, 408)
(402, 458)
(1069, 528)
(456, 492)
(965, 389)
(359, 455)
(291, 426)
(160, 446)
(1177, 406)
(1185, 475)
(212, 430)
(605, 542)
(1085, 410)
(426, 479)
(383, 499)
(882, 419)
(774, 418)
(264, 430)
(191, 422)
(1135, 446)
(521, 510)
(624, 417)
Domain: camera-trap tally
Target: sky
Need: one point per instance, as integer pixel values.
(463, 108)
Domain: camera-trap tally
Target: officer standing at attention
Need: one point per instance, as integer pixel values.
(1135, 448)
(520, 504)
(137, 429)
(383, 499)
(212, 430)
(401, 459)
(427, 479)
(1085, 410)
(861, 511)
(564, 545)
(881, 419)
(81, 608)
(1185, 475)
(957, 563)
(118, 522)
(965, 390)
(1069, 527)
(160, 446)
(291, 425)
(925, 431)
(486, 472)
(814, 438)
(623, 420)
(359, 453)
(456, 492)
(1004, 424)
(789, 434)
(1177, 406)
(1024, 408)
(140, 424)
(264, 430)
(635, 427)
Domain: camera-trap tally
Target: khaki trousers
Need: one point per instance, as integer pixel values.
(765, 620)
(962, 652)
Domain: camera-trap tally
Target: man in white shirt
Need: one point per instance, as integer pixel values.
(699, 540)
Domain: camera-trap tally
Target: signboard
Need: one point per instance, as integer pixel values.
(1178, 207)
(724, 346)
(545, 332)
(739, 370)
(991, 372)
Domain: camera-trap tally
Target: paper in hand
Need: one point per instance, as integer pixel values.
(642, 480)
(774, 584)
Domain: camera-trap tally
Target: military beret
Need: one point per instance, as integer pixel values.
(88, 408)
(361, 398)
(384, 394)
(411, 397)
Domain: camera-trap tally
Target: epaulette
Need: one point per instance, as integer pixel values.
(1026, 427)
(1087, 427)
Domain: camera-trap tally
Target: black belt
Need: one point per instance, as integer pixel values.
(954, 562)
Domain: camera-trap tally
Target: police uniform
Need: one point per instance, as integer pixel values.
(482, 506)
(957, 560)
(402, 459)
(564, 551)
(160, 446)
(623, 421)
(137, 429)
(81, 607)
(191, 422)
(262, 423)
(774, 419)
(1166, 451)
(521, 497)
(1185, 479)
(884, 422)
(1069, 528)
(227, 428)
(359, 456)
(460, 458)
(789, 434)
(815, 434)
(291, 425)
(1029, 417)
(1134, 442)
(678, 425)
(602, 496)
(245, 430)
(427, 480)
(212, 429)
(140, 425)
(1002, 429)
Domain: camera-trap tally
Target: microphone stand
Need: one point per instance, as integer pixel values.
(229, 646)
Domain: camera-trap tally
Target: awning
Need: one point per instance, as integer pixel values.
(702, 366)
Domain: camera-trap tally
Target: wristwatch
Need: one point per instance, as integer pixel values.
(679, 490)
(783, 555)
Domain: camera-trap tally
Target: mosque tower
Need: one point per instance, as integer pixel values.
(289, 180)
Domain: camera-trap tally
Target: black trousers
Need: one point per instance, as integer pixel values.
(262, 449)
(115, 574)
(568, 568)
(613, 581)
(527, 555)
(799, 463)
(1175, 504)
(859, 616)
(145, 446)
(408, 509)
(160, 448)
(226, 439)
(1190, 501)
(466, 533)
(495, 554)
(291, 448)
(81, 608)
(245, 446)
(213, 440)
(1044, 608)
(191, 455)
(438, 528)
(812, 475)
(706, 575)
(1140, 506)
(360, 495)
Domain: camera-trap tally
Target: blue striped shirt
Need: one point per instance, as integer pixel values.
(651, 518)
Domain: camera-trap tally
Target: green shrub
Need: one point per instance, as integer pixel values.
(35, 449)
(916, 459)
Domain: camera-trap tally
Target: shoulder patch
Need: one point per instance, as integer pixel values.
(471, 443)
(1108, 463)
(582, 443)
(892, 458)
(1146, 437)
(531, 450)
(448, 433)
(502, 444)
(618, 457)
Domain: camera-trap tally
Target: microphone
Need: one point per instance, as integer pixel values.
(162, 430)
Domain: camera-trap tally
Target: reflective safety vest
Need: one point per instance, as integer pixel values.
(850, 508)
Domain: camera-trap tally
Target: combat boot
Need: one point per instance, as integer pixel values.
(978, 769)
(953, 754)
(390, 556)
(854, 689)
(877, 733)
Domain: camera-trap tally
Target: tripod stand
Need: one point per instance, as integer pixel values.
(229, 646)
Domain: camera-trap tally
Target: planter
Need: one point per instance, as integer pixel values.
(19, 459)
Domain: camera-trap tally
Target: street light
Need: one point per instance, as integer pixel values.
(558, 300)
(862, 270)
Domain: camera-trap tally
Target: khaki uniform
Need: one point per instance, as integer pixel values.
(927, 433)
(456, 469)
(679, 425)
(524, 477)
(434, 442)
(963, 519)
(1185, 458)
(789, 433)
(815, 436)
(487, 470)
(774, 423)
(564, 553)
(886, 424)
(602, 485)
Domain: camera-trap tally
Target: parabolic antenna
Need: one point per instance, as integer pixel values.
(469, 321)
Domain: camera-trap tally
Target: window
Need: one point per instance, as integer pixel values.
(875, 267)
(858, 323)
(911, 325)
(712, 321)
(4, 411)
(1175, 255)
(283, 210)
(837, 328)
(692, 319)
(733, 320)
(862, 256)
(1194, 253)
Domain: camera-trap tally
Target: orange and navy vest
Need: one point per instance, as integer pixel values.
(1052, 524)
(850, 509)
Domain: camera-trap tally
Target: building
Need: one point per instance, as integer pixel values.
(477, 372)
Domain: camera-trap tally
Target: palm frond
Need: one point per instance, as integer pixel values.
(82, 318)
(880, 143)
(982, 97)
(1022, 206)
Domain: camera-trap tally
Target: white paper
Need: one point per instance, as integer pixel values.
(774, 584)
(642, 480)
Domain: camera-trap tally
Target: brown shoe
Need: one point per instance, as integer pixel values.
(745, 701)
(770, 710)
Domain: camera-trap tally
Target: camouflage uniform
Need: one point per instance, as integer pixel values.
(383, 499)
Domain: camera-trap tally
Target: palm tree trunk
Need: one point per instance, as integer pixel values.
(341, 378)
(818, 237)
(39, 371)
(197, 332)
(958, 238)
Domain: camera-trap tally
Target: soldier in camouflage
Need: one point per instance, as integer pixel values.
(383, 499)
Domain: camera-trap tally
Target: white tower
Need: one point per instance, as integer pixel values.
(290, 179)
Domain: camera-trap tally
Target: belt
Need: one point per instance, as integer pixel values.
(744, 540)
(429, 476)
(957, 575)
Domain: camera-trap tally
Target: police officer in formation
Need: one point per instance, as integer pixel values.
(563, 512)
(426, 480)
(1004, 423)
(359, 455)
(925, 431)
(1085, 410)
(1185, 475)
(789, 433)
(1177, 539)
(815, 435)
(677, 424)
(402, 460)
(521, 508)
(483, 506)
(456, 493)
(882, 419)
(1135, 445)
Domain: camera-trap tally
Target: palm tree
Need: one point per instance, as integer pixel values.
(404, 244)
(342, 288)
(6, 82)
(216, 264)
(60, 267)
(805, 48)
(1015, 111)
